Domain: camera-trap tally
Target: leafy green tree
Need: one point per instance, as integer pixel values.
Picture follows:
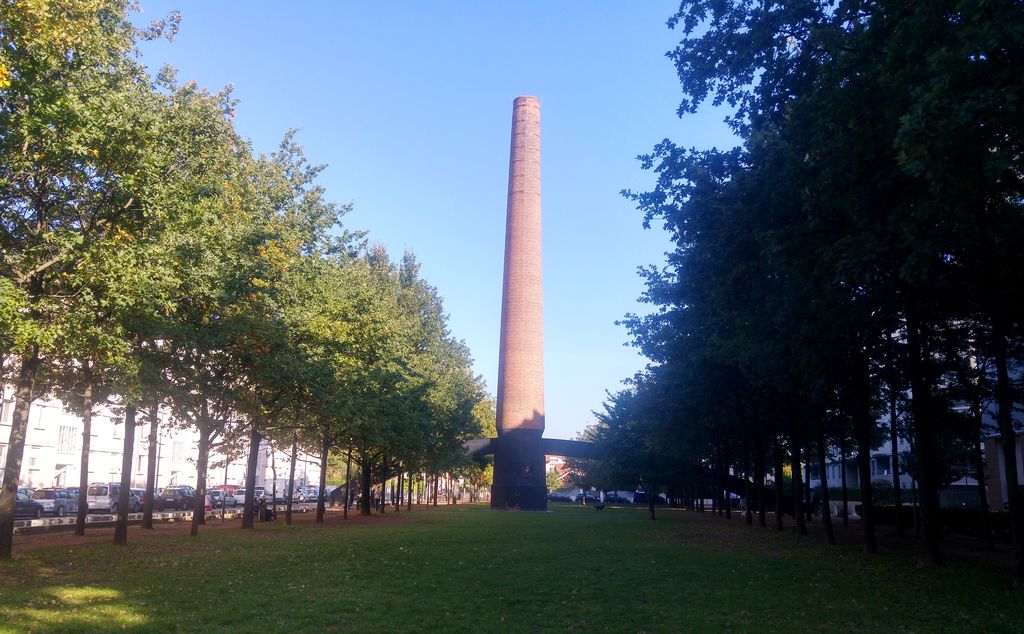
(76, 112)
(844, 219)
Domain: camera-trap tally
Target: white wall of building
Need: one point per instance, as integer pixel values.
(53, 451)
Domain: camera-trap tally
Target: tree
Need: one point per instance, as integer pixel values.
(76, 112)
(845, 221)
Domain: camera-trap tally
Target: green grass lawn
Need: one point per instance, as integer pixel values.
(466, 568)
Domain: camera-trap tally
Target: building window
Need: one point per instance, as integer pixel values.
(67, 441)
(177, 451)
(117, 431)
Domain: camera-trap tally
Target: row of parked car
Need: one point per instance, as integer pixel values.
(101, 497)
(106, 496)
(233, 497)
(611, 497)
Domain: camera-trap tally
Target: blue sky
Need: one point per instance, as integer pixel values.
(410, 105)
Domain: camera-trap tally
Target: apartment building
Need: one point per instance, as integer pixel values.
(53, 451)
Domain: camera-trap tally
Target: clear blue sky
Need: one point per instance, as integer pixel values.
(410, 105)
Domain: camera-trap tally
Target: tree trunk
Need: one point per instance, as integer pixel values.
(153, 441)
(365, 500)
(748, 513)
(846, 490)
(826, 512)
(894, 460)
(759, 476)
(16, 451)
(798, 493)
(894, 436)
(224, 495)
(650, 489)
(399, 489)
(291, 478)
(779, 485)
(718, 482)
(248, 508)
(348, 482)
(924, 440)
(321, 499)
(409, 487)
(273, 470)
(979, 476)
(808, 507)
(202, 464)
(384, 484)
(121, 527)
(83, 469)
(1007, 435)
(724, 471)
(867, 512)
(435, 489)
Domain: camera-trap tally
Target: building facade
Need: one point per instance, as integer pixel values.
(53, 451)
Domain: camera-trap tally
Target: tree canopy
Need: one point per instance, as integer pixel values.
(835, 274)
(148, 256)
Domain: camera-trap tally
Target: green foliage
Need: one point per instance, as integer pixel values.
(147, 252)
(858, 238)
(551, 481)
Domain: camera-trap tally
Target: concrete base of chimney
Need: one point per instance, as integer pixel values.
(520, 483)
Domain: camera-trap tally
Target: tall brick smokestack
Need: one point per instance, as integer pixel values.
(521, 355)
(519, 480)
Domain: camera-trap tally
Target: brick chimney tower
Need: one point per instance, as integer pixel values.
(519, 477)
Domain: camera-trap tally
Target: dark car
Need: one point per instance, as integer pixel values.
(180, 497)
(27, 507)
(558, 497)
(587, 498)
(615, 498)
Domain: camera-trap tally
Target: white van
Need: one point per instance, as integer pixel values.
(103, 496)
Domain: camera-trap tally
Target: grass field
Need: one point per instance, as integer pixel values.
(465, 568)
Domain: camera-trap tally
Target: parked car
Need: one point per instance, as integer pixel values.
(56, 501)
(587, 498)
(221, 499)
(616, 498)
(307, 494)
(259, 495)
(25, 506)
(554, 496)
(180, 497)
(105, 496)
